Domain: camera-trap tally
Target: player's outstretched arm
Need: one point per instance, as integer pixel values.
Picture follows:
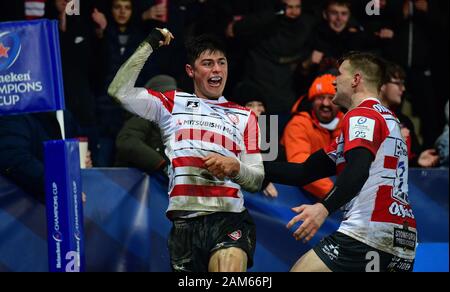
(122, 88)
(317, 166)
(347, 186)
(127, 75)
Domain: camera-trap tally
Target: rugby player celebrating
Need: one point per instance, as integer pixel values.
(213, 146)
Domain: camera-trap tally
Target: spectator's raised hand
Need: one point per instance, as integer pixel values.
(229, 31)
(385, 33)
(428, 158)
(271, 191)
(421, 5)
(316, 57)
(100, 19)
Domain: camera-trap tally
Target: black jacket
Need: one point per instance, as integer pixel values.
(278, 44)
(22, 149)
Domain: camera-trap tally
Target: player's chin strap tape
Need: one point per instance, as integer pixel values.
(350, 182)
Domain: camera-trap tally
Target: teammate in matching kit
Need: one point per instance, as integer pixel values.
(370, 159)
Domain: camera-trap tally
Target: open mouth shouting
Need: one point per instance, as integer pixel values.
(215, 81)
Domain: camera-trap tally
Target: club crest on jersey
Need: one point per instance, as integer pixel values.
(192, 105)
(233, 118)
(236, 235)
(362, 121)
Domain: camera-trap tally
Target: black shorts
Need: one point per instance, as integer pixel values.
(193, 241)
(342, 253)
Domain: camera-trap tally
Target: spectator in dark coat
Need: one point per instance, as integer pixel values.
(118, 42)
(335, 36)
(279, 42)
(219, 18)
(380, 29)
(22, 149)
(412, 49)
(79, 52)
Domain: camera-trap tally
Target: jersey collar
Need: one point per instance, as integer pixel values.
(369, 102)
(221, 99)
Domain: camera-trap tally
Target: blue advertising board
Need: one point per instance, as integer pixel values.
(126, 227)
(30, 67)
(64, 206)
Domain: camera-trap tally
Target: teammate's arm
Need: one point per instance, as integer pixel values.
(350, 182)
(122, 88)
(317, 166)
(347, 186)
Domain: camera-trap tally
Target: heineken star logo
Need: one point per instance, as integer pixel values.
(3, 51)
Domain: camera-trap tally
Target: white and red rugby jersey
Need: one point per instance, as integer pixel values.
(380, 216)
(193, 128)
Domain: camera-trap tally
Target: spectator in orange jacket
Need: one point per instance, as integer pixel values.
(316, 122)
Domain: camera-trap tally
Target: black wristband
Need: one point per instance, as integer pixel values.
(154, 38)
(330, 202)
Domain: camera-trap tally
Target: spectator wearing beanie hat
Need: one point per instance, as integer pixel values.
(315, 123)
(249, 96)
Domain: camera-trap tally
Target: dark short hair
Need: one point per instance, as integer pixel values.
(394, 71)
(203, 43)
(371, 65)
